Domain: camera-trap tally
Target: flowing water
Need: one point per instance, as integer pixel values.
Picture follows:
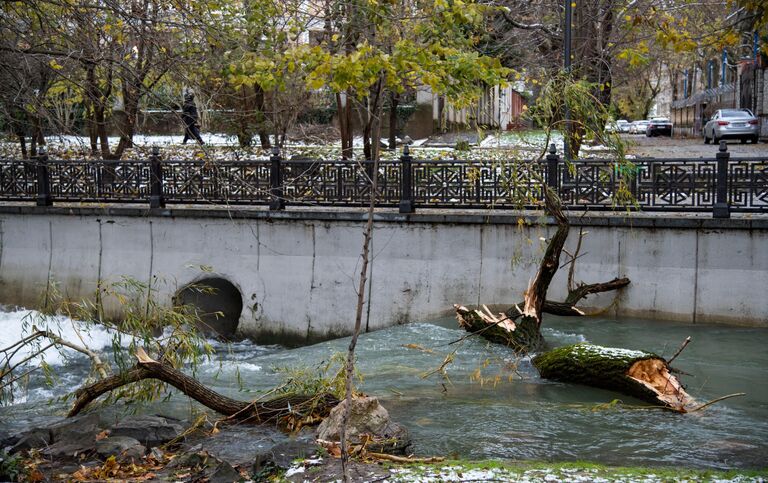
(492, 405)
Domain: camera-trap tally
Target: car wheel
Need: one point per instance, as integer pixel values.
(715, 139)
(755, 139)
(706, 139)
(743, 140)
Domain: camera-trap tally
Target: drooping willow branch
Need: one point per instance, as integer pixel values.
(247, 411)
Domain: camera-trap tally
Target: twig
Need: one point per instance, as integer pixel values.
(20, 376)
(97, 363)
(575, 257)
(26, 359)
(684, 344)
(18, 346)
(406, 459)
(698, 408)
(441, 369)
(572, 260)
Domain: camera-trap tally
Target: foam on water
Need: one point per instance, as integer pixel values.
(19, 323)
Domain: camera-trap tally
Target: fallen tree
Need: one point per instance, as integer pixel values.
(643, 375)
(524, 335)
(290, 410)
(640, 374)
(129, 372)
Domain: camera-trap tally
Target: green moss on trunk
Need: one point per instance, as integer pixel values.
(604, 367)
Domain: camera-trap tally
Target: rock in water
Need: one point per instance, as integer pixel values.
(366, 417)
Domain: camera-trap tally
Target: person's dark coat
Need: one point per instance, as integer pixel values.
(189, 112)
(189, 118)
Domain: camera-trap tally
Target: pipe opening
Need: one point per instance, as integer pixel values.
(218, 304)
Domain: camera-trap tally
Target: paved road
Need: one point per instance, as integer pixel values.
(683, 148)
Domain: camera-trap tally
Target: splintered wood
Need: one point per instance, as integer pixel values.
(500, 320)
(654, 374)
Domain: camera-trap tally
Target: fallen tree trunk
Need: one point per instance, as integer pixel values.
(525, 334)
(278, 410)
(522, 336)
(643, 375)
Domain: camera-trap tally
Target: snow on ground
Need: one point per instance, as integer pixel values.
(457, 473)
(213, 139)
(210, 139)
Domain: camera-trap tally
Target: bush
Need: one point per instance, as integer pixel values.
(317, 115)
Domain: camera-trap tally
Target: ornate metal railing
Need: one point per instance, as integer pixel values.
(720, 184)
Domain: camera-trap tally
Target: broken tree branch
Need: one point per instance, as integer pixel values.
(245, 411)
(575, 257)
(537, 290)
(682, 346)
(569, 306)
(723, 398)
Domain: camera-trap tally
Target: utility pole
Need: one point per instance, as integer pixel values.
(567, 67)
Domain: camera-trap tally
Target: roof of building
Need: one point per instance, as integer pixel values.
(706, 95)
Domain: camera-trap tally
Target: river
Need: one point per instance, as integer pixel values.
(516, 415)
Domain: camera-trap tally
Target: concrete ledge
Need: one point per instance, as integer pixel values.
(674, 220)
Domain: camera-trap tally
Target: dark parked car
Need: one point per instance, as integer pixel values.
(659, 127)
(732, 124)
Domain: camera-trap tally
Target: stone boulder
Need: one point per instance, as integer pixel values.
(282, 455)
(150, 431)
(123, 448)
(366, 417)
(74, 436)
(26, 440)
(205, 467)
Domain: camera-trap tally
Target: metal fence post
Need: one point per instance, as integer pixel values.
(276, 202)
(552, 160)
(721, 209)
(406, 182)
(43, 181)
(156, 199)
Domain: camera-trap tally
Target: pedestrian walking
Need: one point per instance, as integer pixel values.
(189, 116)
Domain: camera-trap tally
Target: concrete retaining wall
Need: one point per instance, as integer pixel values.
(297, 271)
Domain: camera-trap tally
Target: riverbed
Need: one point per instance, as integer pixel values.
(491, 404)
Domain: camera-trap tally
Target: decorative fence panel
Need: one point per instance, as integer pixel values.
(720, 184)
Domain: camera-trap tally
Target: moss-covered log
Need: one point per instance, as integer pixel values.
(643, 375)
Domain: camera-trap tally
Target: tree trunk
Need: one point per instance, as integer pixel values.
(524, 335)
(394, 101)
(365, 120)
(374, 118)
(128, 127)
(643, 375)
(343, 107)
(244, 114)
(269, 411)
(262, 130)
(23, 145)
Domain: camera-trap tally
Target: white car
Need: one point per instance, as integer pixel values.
(732, 124)
(639, 127)
(622, 125)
